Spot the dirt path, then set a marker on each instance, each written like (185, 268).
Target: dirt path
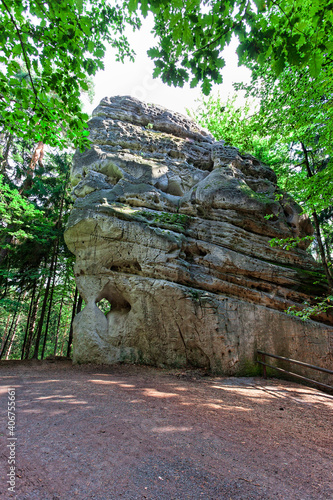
(130, 432)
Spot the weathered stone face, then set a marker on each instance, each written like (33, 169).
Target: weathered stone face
(169, 226)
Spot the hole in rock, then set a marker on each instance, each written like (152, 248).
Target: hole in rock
(126, 267)
(104, 305)
(110, 299)
(176, 154)
(194, 251)
(288, 211)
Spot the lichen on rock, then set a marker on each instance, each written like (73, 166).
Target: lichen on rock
(171, 228)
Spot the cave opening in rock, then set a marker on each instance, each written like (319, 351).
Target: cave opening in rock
(104, 305)
(111, 300)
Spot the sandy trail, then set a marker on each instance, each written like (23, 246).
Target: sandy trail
(131, 432)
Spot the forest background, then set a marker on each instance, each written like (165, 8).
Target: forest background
(49, 53)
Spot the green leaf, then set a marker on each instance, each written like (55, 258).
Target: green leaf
(194, 82)
(132, 5)
(206, 86)
(153, 53)
(315, 63)
(144, 7)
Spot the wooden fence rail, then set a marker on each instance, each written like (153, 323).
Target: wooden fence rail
(262, 362)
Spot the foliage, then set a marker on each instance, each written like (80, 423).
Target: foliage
(288, 243)
(36, 270)
(192, 34)
(291, 129)
(167, 219)
(19, 217)
(48, 51)
(321, 306)
(296, 110)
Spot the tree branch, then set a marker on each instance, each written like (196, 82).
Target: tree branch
(26, 59)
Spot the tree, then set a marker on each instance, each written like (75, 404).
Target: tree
(297, 110)
(192, 34)
(48, 51)
(292, 131)
(37, 273)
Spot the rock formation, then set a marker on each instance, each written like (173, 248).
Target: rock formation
(173, 230)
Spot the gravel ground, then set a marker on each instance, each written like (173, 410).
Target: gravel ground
(132, 432)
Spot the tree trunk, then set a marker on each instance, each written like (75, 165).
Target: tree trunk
(4, 158)
(70, 337)
(37, 157)
(51, 298)
(64, 334)
(322, 251)
(13, 336)
(32, 324)
(57, 225)
(317, 226)
(328, 254)
(5, 333)
(58, 326)
(42, 314)
(28, 319)
(4, 347)
(15, 328)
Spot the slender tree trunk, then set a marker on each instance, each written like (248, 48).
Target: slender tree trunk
(70, 337)
(58, 223)
(58, 326)
(64, 334)
(42, 314)
(13, 336)
(4, 347)
(14, 331)
(317, 226)
(37, 157)
(32, 325)
(328, 253)
(5, 333)
(51, 298)
(322, 250)
(4, 158)
(28, 319)
(63, 341)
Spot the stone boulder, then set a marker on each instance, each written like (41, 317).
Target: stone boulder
(173, 230)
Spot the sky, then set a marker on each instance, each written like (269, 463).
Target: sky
(135, 79)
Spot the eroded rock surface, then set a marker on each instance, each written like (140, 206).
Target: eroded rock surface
(171, 228)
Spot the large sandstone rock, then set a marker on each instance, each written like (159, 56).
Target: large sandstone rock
(169, 227)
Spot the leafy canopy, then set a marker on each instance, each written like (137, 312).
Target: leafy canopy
(193, 33)
(296, 110)
(48, 51)
(18, 216)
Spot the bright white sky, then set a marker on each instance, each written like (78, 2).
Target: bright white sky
(135, 79)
